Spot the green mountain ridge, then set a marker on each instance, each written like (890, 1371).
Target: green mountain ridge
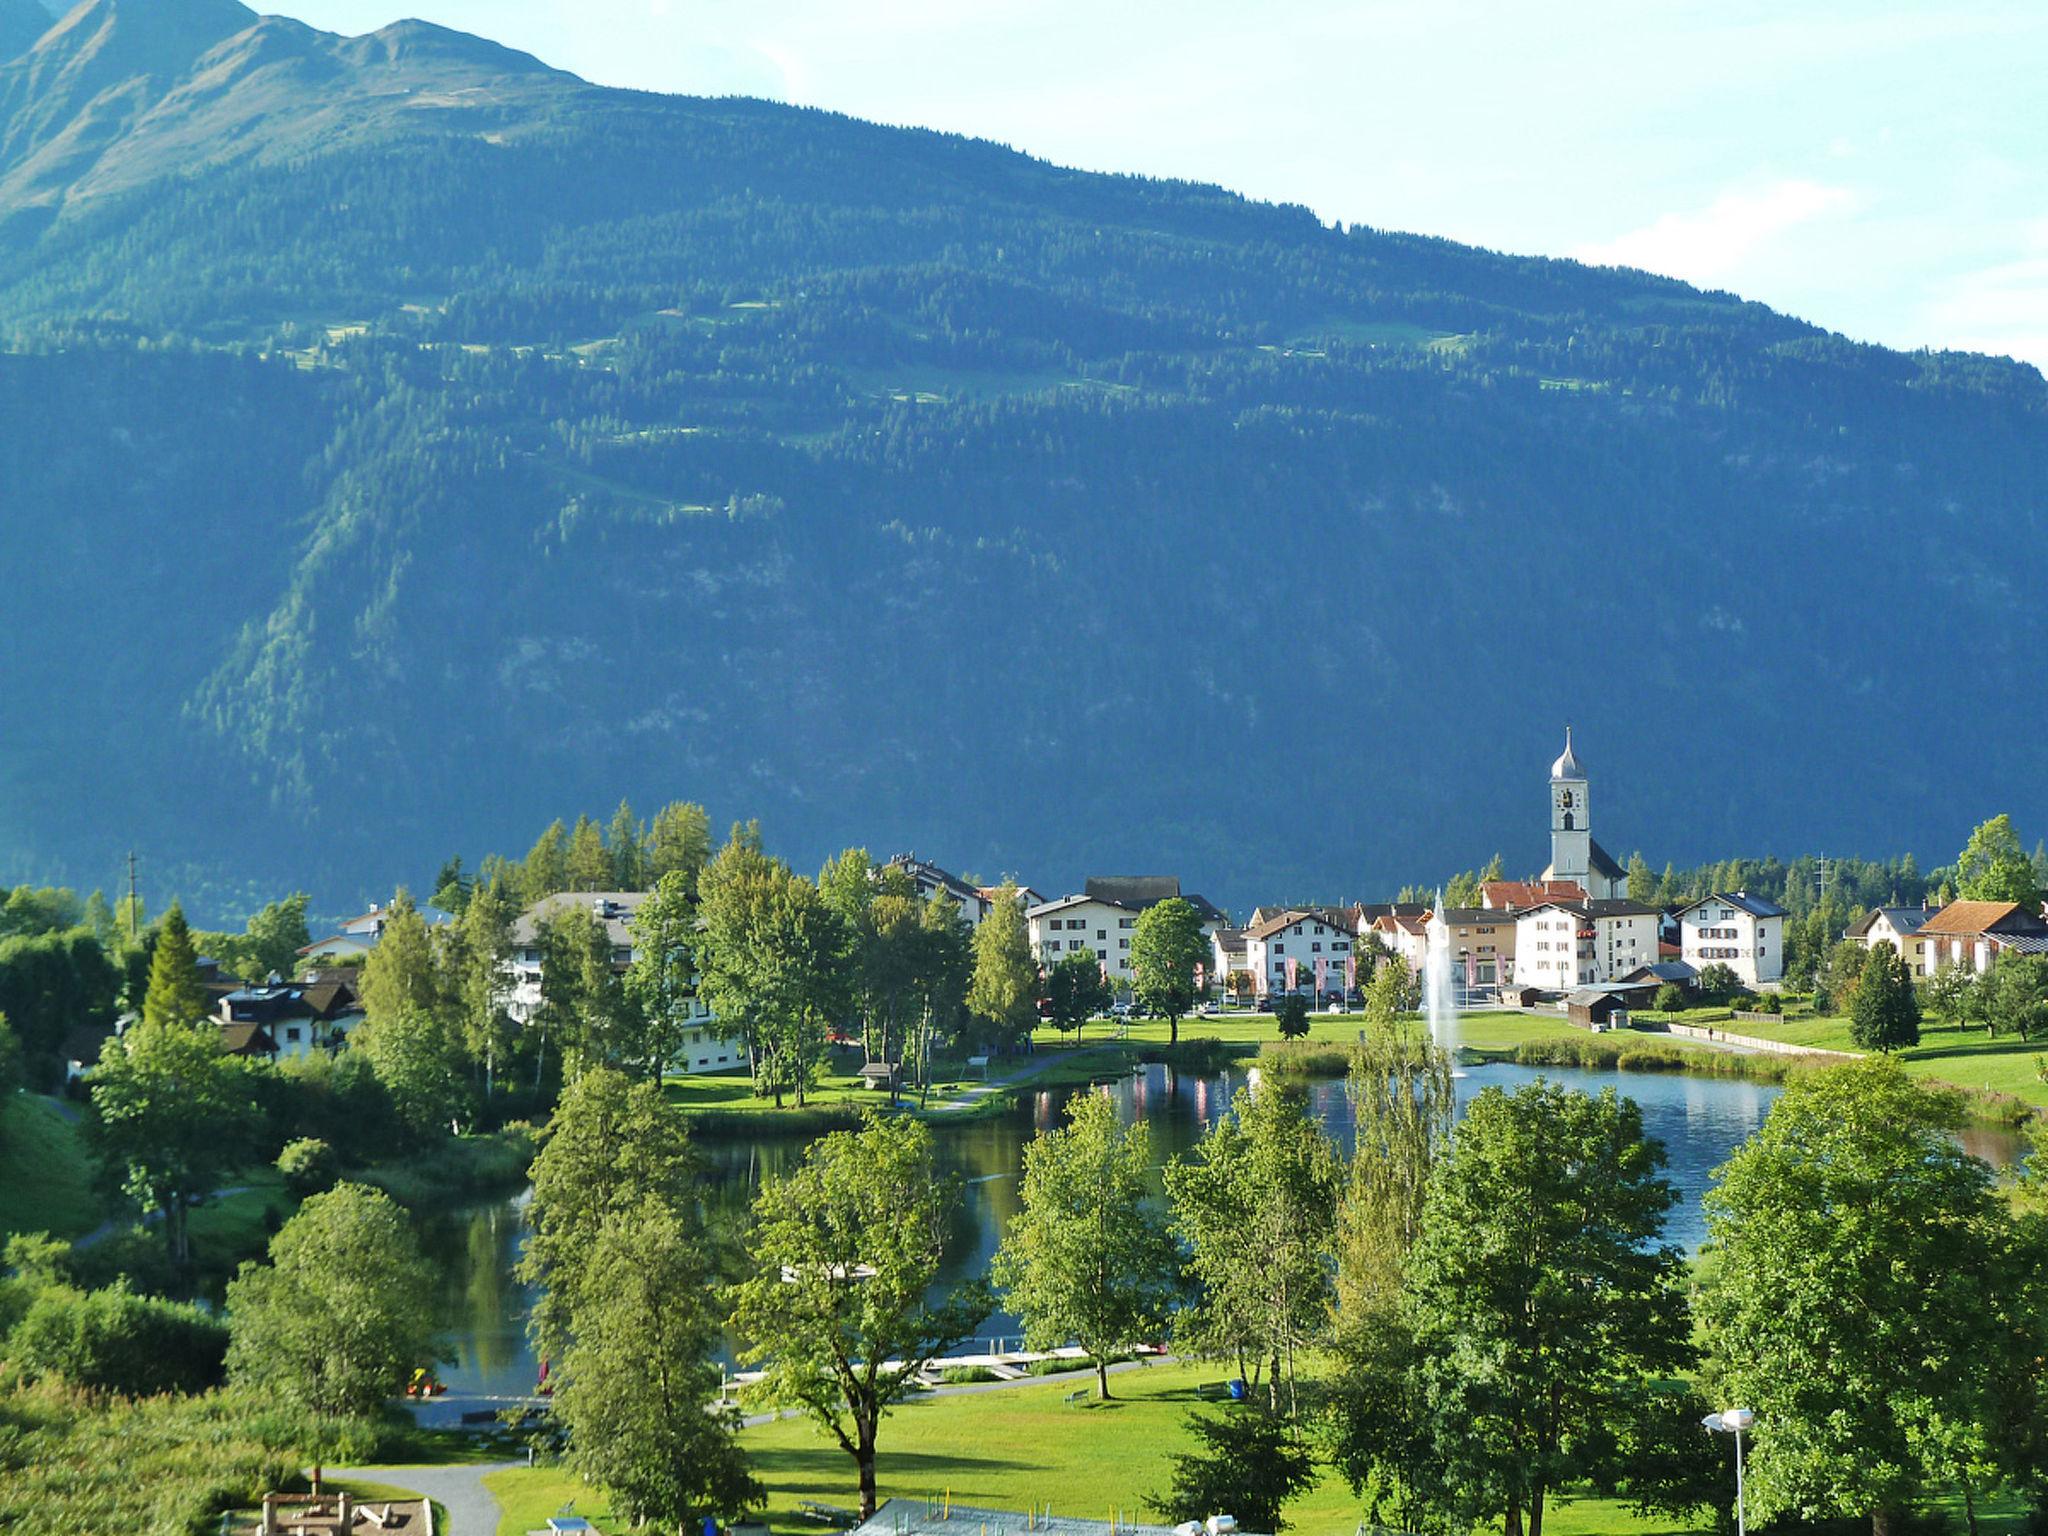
(420, 443)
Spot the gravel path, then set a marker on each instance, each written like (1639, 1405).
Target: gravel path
(472, 1508)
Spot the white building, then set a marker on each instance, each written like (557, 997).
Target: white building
(1743, 932)
(1899, 927)
(1103, 918)
(703, 1051)
(1573, 853)
(1314, 944)
(928, 880)
(1563, 945)
(359, 935)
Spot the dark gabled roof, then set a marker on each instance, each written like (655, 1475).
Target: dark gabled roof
(1664, 970)
(1905, 921)
(1603, 862)
(1477, 917)
(1605, 907)
(951, 883)
(1133, 890)
(1742, 901)
(247, 1040)
(1280, 921)
(1369, 912)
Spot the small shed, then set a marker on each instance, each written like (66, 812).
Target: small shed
(1597, 1007)
(881, 1074)
(1520, 997)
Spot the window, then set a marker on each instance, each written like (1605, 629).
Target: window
(1100, 934)
(1317, 947)
(1127, 922)
(1123, 943)
(1279, 949)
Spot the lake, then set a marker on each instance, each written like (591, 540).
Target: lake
(1700, 1120)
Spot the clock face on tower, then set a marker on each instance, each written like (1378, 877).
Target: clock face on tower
(1564, 799)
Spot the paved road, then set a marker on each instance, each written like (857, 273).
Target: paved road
(472, 1508)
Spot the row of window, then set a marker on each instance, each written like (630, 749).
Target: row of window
(1340, 947)
(1078, 923)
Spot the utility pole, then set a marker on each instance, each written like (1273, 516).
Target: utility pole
(132, 905)
(1827, 876)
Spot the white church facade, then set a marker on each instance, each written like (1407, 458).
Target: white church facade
(1574, 855)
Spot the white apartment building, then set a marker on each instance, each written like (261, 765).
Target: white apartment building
(1563, 945)
(1317, 948)
(1743, 932)
(1103, 918)
(703, 1051)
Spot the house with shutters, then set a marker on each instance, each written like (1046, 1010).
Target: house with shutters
(1301, 951)
(1738, 930)
(1562, 946)
(1104, 916)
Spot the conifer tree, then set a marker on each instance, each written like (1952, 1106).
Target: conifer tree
(175, 995)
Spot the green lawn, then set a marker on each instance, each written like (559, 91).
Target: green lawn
(1008, 1450)
(46, 1172)
(1963, 1058)
(732, 1092)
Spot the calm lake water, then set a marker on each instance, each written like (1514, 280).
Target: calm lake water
(1700, 1120)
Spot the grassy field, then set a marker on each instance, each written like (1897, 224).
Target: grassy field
(1962, 1058)
(1008, 1449)
(46, 1172)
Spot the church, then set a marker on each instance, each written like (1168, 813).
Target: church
(1573, 853)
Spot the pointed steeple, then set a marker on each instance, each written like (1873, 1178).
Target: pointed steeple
(1567, 764)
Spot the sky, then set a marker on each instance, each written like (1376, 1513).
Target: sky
(1877, 168)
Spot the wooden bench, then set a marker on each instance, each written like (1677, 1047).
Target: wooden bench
(1213, 1389)
(826, 1514)
(1074, 1398)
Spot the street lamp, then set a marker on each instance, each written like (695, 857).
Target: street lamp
(1734, 1422)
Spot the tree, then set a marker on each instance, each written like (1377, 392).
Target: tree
(736, 892)
(1403, 1105)
(277, 934)
(1290, 1013)
(679, 842)
(662, 980)
(1167, 948)
(402, 973)
(1544, 1308)
(584, 1005)
(546, 867)
(586, 863)
(115, 1341)
(622, 845)
(1948, 993)
(945, 964)
(474, 959)
(1642, 880)
(308, 1166)
(342, 1314)
(1003, 993)
(171, 1115)
(1075, 990)
(1389, 994)
(420, 1063)
(1885, 1015)
(635, 1381)
(175, 995)
(1087, 1258)
(1249, 1466)
(1875, 1300)
(2014, 995)
(1994, 866)
(845, 1254)
(612, 1146)
(1254, 1204)
(891, 953)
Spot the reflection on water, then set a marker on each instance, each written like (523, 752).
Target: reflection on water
(1700, 1120)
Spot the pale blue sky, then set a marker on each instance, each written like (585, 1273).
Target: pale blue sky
(1879, 167)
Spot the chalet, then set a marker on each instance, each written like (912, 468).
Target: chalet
(1975, 933)
(298, 1017)
(1404, 934)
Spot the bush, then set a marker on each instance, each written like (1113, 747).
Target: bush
(309, 1166)
(113, 1340)
(1765, 1002)
(1670, 998)
(1249, 1465)
(1291, 1014)
(967, 1375)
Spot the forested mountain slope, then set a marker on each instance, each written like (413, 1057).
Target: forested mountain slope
(406, 443)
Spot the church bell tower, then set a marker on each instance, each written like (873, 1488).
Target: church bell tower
(1571, 822)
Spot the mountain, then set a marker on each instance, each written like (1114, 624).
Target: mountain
(409, 443)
